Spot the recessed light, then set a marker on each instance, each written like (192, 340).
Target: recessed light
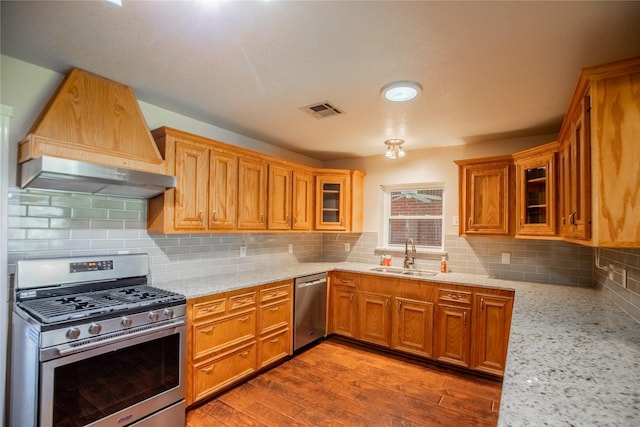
(401, 91)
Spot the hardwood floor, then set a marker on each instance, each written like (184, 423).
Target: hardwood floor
(340, 384)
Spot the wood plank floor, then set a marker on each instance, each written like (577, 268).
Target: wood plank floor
(336, 383)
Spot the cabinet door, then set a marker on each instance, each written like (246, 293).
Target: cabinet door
(452, 341)
(578, 174)
(279, 200)
(413, 326)
(192, 172)
(343, 311)
(492, 323)
(374, 318)
(331, 213)
(252, 193)
(302, 200)
(223, 185)
(536, 195)
(484, 197)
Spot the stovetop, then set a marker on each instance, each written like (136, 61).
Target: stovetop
(64, 305)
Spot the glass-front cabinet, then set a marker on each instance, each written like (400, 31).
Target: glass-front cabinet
(536, 191)
(331, 198)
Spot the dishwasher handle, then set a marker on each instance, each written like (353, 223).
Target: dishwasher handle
(312, 283)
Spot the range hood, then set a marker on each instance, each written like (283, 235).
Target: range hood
(53, 173)
(92, 138)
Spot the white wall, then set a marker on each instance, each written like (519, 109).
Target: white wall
(429, 165)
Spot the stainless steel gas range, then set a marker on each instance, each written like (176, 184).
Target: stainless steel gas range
(93, 344)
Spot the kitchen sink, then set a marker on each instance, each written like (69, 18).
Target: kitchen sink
(404, 271)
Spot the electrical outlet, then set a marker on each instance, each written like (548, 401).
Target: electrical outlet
(506, 258)
(290, 248)
(610, 269)
(347, 247)
(243, 251)
(454, 220)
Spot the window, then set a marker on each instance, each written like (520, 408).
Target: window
(414, 211)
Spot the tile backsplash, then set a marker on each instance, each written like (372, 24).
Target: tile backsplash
(53, 224)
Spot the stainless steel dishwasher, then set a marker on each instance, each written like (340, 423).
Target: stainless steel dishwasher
(310, 309)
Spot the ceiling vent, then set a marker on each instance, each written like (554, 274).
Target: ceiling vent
(321, 110)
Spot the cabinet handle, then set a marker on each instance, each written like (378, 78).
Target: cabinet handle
(399, 305)
(210, 309)
(295, 219)
(469, 222)
(243, 319)
(481, 304)
(275, 340)
(261, 217)
(287, 218)
(273, 294)
(207, 330)
(274, 309)
(241, 301)
(464, 318)
(350, 297)
(208, 369)
(521, 222)
(244, 353)
(572, 218)
(341, 222)
(214, 215)
(199, 215)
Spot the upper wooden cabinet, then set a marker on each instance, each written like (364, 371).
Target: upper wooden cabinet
(339, 200)
(536, 191)
(484, 189)
(205, 196)
(252, 194)
(600, 173)
(290, 198)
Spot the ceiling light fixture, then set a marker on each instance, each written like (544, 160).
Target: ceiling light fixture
(401, 91)
(394, 148)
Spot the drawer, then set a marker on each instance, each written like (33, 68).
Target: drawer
(450, 295)
(274, 293)
(275, 315)
(345, 279)
(237, 302)
(209, 308)
(275, 347)
(213, 336)
(217, 373)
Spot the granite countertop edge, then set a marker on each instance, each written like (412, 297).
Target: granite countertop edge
(573, 356)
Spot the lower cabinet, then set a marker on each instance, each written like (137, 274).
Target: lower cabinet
(413, 326)
(233, 334)
(458, 325)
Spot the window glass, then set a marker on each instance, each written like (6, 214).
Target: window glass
(414, 212)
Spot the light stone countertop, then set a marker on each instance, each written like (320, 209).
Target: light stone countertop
(573, 358)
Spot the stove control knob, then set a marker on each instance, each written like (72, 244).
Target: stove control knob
(73, 333)
(154, 316)
(95, 328)
(168, 313)
(126, 322)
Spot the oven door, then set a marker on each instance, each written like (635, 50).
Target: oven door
(119, 383)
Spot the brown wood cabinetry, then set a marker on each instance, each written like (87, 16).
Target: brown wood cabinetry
(453, 326)
(491, 326)
(536, 191)
(484, 191)
(343, 304)
(459, 325)
(290, 198)
(339, 200)
(374, 318)
(204, 199)
(252, 194)
(303, 198)
(232, 334)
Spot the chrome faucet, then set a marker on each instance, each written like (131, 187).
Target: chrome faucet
(407, 263)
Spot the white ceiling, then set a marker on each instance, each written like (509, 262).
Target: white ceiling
(490, 70)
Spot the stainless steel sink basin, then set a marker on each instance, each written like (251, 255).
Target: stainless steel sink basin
(404, 271)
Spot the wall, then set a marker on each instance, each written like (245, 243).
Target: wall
(54, 224)
(628, 299)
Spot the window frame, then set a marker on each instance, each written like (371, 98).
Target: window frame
(386, 210)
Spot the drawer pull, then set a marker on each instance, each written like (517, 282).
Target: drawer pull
(244, 353)
(464, 318)
(275, 340)
(212, 308)
(208, 369)
(273, 294)
(207, 330)
(274, 308)
(243, 319)
(241, 301)
(481, 304)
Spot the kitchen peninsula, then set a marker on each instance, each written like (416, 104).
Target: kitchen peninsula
(573, 357)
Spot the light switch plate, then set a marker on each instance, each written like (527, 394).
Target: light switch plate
(506, 258)
(454, 220)
(243, 251)
(290, 248)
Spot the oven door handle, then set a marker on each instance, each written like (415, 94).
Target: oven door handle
(117, 336)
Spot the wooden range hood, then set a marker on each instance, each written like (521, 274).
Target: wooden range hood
(94, 122)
